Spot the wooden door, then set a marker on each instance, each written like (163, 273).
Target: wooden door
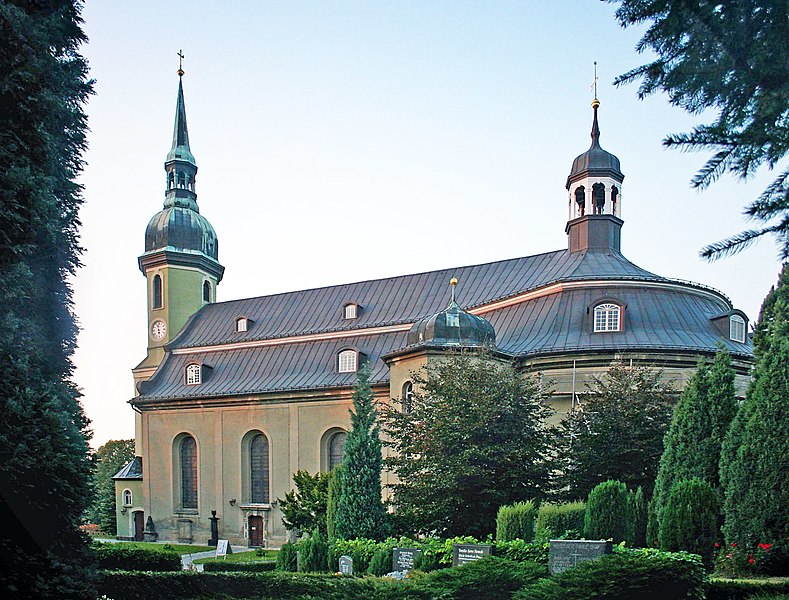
(256, 532)
(139, 525)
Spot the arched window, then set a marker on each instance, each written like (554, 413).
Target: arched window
(607, 317)
(346, 361)
(170, 180)
(598, 198)
(614, 198)
(337, 449)
(193, 374)
(349, 311)
(188, 464)
(242, 324)
(408, 397)
(259, 469)
(156, 291)
(737, 328)
(580, 201)
(206, 291)
(127, 498)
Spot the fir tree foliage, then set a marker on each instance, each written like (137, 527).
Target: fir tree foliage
(333, 497)
(304, 508)
(691, 520)
(360, 512)
(617, 433)
(700, 421)
(733, 58)
(473, 440)
(755, 453)
(45, 468)
(110, 459)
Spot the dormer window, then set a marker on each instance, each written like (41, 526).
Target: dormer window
(193, 374)
(607, 317)
(242, 324)
(350, 311)
(347, 361)
(737, 329)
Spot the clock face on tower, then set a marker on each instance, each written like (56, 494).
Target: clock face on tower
(158, 330)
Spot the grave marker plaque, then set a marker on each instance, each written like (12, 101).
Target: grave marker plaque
(403, 558)
(565, 554)
(466, 553)
(346, 565)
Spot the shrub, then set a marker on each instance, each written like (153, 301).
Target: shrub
(642, 574)
(287, 559)
(558, 519)
(521, 551)
(691, 519)
(721, 589)
(608, 512)
(516, 521)
(638, 518)
(381, 563)
(248, 566)
(135, 558)
(489, 577)
(313, 554)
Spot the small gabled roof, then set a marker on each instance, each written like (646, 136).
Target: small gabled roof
(131, 470)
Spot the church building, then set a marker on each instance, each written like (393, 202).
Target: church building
(234, 397)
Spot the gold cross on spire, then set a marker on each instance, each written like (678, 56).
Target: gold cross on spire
(181, 63)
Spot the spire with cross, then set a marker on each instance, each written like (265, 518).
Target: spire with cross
(181, 63)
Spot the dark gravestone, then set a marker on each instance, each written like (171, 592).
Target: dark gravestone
(214, 529)
(403, 558)
(346, 565)
(466, 553)
(565, 554)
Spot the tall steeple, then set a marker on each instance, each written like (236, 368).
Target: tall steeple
(180, 164)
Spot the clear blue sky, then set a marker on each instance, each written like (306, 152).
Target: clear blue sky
(341, 141)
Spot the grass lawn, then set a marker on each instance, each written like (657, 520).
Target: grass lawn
(179, 548)
(250, 556)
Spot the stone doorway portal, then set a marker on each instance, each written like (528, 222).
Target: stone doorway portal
(256, 532)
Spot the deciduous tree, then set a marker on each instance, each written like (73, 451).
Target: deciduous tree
(732, 58)
(110, 459)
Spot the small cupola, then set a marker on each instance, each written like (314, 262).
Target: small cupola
(594, 202)
(453, 326)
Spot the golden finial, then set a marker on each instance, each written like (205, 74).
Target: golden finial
(180, 63)
(453, 282)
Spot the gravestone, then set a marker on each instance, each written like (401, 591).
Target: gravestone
(346, 565)
(403, 558)
(466, 553)
(565, 554)
(214, 528)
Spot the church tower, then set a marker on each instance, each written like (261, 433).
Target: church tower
(180, 262)
(595, 198)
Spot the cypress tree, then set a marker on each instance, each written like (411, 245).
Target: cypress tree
(755, 452)
(638, 512)
(332, 499)
(360, 512)
(608, 513)
(691, 519)
(45, 469)
(693, 443)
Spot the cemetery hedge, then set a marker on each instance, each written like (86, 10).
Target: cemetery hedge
(557, 519)
(721, 589)
(489, 577)
(131, 558)
(236, 566)
(516, 521)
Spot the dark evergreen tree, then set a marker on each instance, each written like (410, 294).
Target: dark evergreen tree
(473, 440)
(617, 433)
(701, 419)
(304, 508)
(691, 519)
(732, 58)
(110, 459)
(755, 454)
(360, 512)
(45, 467)
(638, 513)
(608, 513)
(332, 498)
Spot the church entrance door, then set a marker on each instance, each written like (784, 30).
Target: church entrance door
(139, 525)
(256, 536)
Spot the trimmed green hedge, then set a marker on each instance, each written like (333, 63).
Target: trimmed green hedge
(130, 558)
(721, 589)
(625, 575)
(516, 522)
(271, 586)
(556, 519)
(237, 566)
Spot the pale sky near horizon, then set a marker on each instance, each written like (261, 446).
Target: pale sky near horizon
(342, 141)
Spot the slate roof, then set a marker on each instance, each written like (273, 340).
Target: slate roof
(131, 470)
(655, 318)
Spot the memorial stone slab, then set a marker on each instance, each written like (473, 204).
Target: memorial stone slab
(466, 553)
(403, 558)
(565, 554)
(346, 565)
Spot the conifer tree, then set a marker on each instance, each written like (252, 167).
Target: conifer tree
(691, 519)
(755, 453)
(360, 512)
(608, 513)
(700, 421)
(45, 469)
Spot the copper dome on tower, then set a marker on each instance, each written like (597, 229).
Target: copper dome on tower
(595, 161)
